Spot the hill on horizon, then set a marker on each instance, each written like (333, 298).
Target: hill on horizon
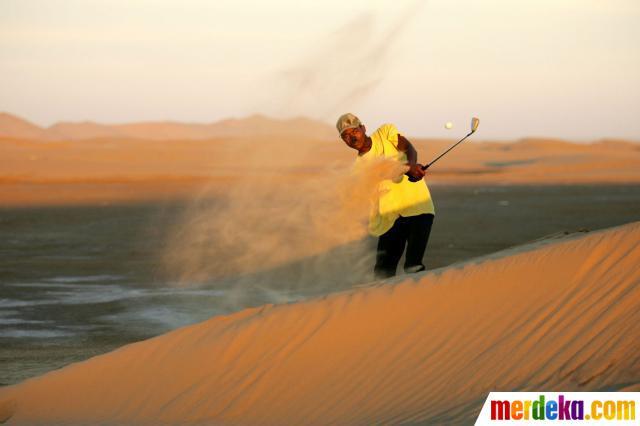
(12, 126)
(15, 127)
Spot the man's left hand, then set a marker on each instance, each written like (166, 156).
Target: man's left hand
(415, 172)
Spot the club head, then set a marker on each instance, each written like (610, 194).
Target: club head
(475, 122)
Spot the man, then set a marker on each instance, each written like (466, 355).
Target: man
(405, 211)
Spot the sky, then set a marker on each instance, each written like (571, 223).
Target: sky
(553, 68)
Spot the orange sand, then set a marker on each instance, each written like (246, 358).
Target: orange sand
(76, 163)
(562, 314)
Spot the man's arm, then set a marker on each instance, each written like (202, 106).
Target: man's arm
(415, 169)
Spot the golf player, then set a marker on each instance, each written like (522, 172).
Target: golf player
(404, 212)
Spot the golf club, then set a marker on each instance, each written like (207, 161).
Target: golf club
(475, 121)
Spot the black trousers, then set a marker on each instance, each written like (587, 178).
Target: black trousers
(412, 231)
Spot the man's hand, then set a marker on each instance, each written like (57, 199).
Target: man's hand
(415, 172)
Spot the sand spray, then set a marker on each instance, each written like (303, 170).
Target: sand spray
(286, 236)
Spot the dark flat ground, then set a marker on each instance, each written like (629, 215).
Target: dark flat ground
(471, 221)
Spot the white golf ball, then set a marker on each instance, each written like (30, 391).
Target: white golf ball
(448, 125)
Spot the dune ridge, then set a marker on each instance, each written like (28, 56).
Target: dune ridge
(12, 126)
(561, 314)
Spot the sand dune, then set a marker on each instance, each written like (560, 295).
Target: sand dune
(84, 171)
(535, 161)
(562, 314)
(79, 162)
(15, 127)
(12, 126)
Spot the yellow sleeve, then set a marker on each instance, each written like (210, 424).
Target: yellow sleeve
(390, 133)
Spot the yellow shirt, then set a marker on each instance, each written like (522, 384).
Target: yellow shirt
(396, 197)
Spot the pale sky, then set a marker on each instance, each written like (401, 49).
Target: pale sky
(557, 68)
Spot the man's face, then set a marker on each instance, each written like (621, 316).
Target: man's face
(354, 138)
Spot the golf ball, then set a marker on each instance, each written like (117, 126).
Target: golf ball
(448, 125)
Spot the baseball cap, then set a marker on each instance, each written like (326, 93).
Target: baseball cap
(347, 121)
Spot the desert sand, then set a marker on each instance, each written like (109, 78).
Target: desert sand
(89, 163)
(560, 314)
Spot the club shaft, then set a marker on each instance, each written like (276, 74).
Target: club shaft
(450, 148)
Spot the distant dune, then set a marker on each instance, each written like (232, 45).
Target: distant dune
(535, 161)
(88, 163)
(14, 127)
(561, 314)
(18, 128)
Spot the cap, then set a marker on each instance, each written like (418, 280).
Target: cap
(347, 121)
